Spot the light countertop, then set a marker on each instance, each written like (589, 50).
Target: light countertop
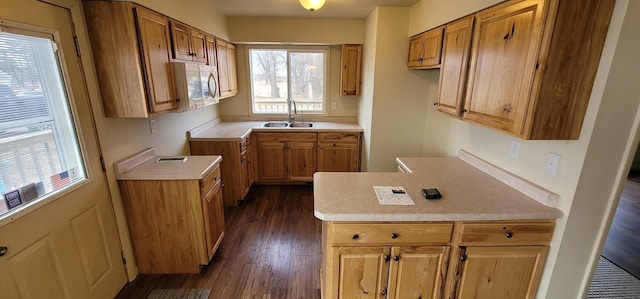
(237, 130)
(468, 194)
(145, 166)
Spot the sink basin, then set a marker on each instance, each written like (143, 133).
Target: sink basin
(301, 125)
(276, 125)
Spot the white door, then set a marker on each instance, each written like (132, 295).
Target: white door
(65, 246)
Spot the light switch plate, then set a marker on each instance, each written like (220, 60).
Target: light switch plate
(152, 126)
(515, 150)
(551, 167)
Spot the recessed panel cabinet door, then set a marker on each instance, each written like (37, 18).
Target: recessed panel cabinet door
(501, 272)
(302, 160)
(340, 157)
(362, 272)
(272, 161)
(155, 45)
(419, 271)
(455, 61)
(503, 64)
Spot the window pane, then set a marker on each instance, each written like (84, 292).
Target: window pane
(269, 80)
(307, 80)
(38, 145)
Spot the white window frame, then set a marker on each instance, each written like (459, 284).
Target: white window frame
(290, 48)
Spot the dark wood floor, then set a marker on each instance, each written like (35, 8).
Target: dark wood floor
(623, 242)
(271, 250)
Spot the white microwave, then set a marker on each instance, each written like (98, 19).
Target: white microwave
(196, 85)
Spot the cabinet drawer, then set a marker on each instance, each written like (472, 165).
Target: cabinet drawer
(310, 137)
(390, 233)
(338, 137)
(534, 233)
(210, 180)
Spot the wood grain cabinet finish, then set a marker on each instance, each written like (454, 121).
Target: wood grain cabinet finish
(287, 156)
(238, 167)
(227, 72)
(132, 54)
(455, 62)
(350, 76)
(533, 64)
(188, 43)
(425, 49)
(175, 225)
(339, 151)
(374, 268)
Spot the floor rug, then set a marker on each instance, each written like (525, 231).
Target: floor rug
(610, 281)
(179, 294)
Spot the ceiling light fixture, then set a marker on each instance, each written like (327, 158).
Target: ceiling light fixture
(312, 5)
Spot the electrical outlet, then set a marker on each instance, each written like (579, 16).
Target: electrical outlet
(152, 126)
(515, 150)
(551, 167)
(333, 106)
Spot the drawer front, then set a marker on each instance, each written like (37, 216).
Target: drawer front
(311, 137)
(210, 180)
(507, 233)
(390, 233)
(339, 137)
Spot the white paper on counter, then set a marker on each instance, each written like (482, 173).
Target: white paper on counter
(387, 197)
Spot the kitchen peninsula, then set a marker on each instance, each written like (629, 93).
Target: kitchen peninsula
(483, 239)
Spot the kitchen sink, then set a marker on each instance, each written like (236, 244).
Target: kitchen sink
(276, 125)
(285, 125)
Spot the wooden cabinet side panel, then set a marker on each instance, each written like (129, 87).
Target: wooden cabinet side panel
(166, 222)
(454, 68)
(114, 43)
(230, 167)
(501, 272)
(350, 74)
(504, 55)
(569, 71)
(153, 32)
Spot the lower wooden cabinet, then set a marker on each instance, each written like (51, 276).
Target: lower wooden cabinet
(175, 225)
(489, 259)
(339, 152)
(287, 156)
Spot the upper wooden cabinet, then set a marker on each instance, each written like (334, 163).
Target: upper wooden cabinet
(533, 64)
(212, 59)
(132, 54)
(425, 49)
(227, 73)
(351, 64)
(455, 61)
(188, 43)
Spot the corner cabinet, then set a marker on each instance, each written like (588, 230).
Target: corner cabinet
(531, 68)
(227, 73)
(350, 76)
(175, 225)
(425, 49)
(132, 54)
(238, 167)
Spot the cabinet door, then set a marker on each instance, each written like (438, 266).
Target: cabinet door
(211, 50)
(180, 41)
(302, 160)
(213, 220)
(336, 157)
(455, 61)
(198, 45)
(272, 161)
(418, 272)
(432, 48)
(362, 272)
(153, 32)
(223, 77)
(501, 272)
(232, 74)
(351, 65)
(503, 63)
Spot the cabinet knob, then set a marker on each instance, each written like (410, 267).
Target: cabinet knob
(463, 258)
(356, 237)
(435, 103)
(3, 250)
(396, 258)
(394, 235)
(387, 257)
(509, 235)
(464, 110)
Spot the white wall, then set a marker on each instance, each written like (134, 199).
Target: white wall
(588, 168)
(296, 30)
(365, 109)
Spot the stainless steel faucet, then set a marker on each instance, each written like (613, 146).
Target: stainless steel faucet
(292, 116)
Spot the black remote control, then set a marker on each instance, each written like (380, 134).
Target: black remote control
(431, 193)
